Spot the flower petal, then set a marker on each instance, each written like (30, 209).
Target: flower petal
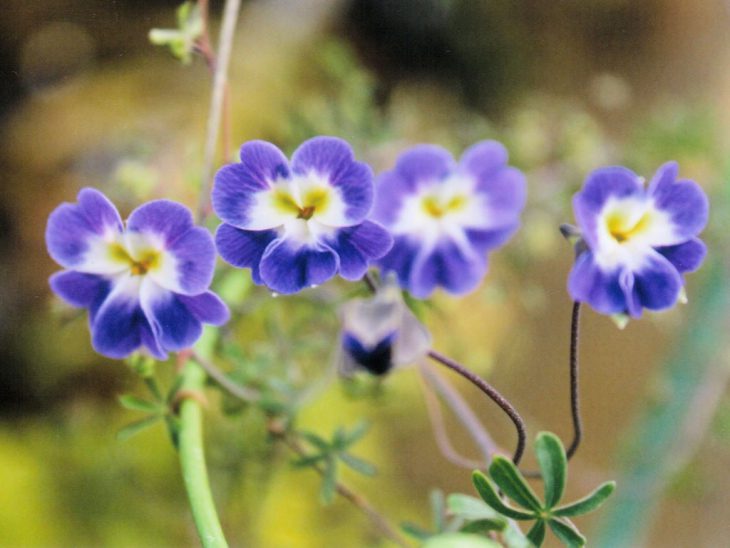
(485, 240)
(587, 283)
(287, 267)
(483, 160)
(601, 185)
(116, 330)
(188, 264)
(656, 285)
(390, 191)
(506, 194)
(243, 248)
(81, 290)
(165, 220)
(684, 201)
(424, 163)
(400, 258)
(447, 265)
(332, 159)
(241, 192)
(207, 308)
(78, 235)
(377, 359)
(150, 341)
(173, 324)
(686, 257)
(357, 246)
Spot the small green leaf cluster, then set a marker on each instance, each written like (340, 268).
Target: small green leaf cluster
(159, 408)
(181, 41)
(461, 520)
(276, 395)
(548, 514)
(329, 453)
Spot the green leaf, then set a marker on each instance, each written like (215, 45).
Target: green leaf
(553, 465)
(309, 460)
(514, 538)
(489, 495)
(415, 531)
(315, 440)
(136, 427)
(163, 37)
(339, 439)
(172, 423)
(329, 483)
(508, 478)
(459, 540)
(567, 533)
(438, 513)
(357, 464)
(484, 526)
(183, 13)
(174, 388)
(181, 41)
(536, 535)
(134, 403)
(589, 503)
(357, 432)
(467, 507)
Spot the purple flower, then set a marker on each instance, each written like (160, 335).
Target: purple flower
(639, 241)
(380, 333)
(445, 216)
(145, 284)
(298, 225)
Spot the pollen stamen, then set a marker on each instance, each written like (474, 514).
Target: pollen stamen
(306, 212)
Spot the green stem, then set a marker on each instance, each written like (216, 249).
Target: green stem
(192, 460)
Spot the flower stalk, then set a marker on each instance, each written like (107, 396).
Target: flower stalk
(218, 98)
(574, 396)
(492, 393)
(192, 460)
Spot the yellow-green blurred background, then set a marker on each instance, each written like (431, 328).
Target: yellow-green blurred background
(567, 86)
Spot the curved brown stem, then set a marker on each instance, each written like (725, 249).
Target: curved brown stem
(574, 396)
(493, 394)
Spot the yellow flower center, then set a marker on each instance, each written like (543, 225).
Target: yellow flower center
(437, 207)
(148, 259)
(314, 200)
(622, 228)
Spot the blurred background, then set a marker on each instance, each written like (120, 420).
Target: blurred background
(567, 86)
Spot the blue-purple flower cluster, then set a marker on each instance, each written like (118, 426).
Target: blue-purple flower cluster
(430, 221)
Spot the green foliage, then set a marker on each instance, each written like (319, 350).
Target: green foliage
(159, 408)
(459, 540)
(460, 520)
(329, 453)
(346, 103)
(181, 41)
(553, 467)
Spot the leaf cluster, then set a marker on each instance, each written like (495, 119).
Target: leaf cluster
(548, 514)
(330, 453)
(181, 41)
(159, 408)
(461, 520)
